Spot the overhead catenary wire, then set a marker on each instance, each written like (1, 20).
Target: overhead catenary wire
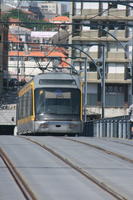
(73, 23)
(66, 25)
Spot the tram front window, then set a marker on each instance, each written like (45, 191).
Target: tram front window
(57, 101)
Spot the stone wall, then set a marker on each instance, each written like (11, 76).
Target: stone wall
(7, 116)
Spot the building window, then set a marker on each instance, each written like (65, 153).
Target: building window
(45, 7)
(116, 95)
(114, 89)
(76, 28)
(93, 25)
(92, 67)
(102, 31)
(112, 5)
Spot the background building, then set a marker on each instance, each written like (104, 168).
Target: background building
(0, 55)
(106, 21)
(62, 8)
(52, 8)
(3, 53)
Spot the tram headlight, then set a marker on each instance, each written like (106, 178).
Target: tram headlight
(44, 125)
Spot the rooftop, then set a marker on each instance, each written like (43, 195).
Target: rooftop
(13, 38)
(60, 19)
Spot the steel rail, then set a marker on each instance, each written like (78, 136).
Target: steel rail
(102, 149)
(118, 141)
(25, 189)
(80, 170)
(123, 143)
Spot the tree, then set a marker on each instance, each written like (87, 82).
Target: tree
(28, 22)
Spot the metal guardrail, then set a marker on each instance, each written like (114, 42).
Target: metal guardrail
(118, 127)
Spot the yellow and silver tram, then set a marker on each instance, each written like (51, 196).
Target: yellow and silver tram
(50, 103)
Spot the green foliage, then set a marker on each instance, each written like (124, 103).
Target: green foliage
(4, 18)
(66, 14)
(30, 23)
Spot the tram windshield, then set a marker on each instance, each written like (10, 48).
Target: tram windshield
(57, 101)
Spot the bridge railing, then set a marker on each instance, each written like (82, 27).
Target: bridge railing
(118, 127)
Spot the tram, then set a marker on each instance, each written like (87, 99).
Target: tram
(50, 103)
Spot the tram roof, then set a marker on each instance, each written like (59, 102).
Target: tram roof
(57, 75)
(57, 79)
(53, 80)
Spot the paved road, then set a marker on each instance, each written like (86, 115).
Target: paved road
(111, 170)
(8, 188)
(49, 177)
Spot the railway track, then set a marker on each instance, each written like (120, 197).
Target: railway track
(83, 172)
(118, 141)
(124, 143)
(102, 149)
(24, 187)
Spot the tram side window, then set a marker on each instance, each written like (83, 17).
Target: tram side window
(18, 108)
(22, 106)
(25, 105)
(30, 103)
(75, 98)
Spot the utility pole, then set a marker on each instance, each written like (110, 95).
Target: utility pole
(132, 71)
(103, 81)
(18, 58)
(85, 90)
(1, 75)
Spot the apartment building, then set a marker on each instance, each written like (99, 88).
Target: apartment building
(48, 9)
(55, 8)
(62, 8)
(104, 24)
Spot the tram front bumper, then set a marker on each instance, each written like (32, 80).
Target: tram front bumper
(58, 127)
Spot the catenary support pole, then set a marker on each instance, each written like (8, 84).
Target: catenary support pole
(103, 82)
(85, 91)
(132, 71)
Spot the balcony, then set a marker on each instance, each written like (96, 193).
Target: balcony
(91, 77)
(92, 35)
(112, 14)
(89, 34)
(90, 12)
(111, 78)
(119, 34)
(93, 55)
(117, 78)
(117, 12)
(117, 57)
